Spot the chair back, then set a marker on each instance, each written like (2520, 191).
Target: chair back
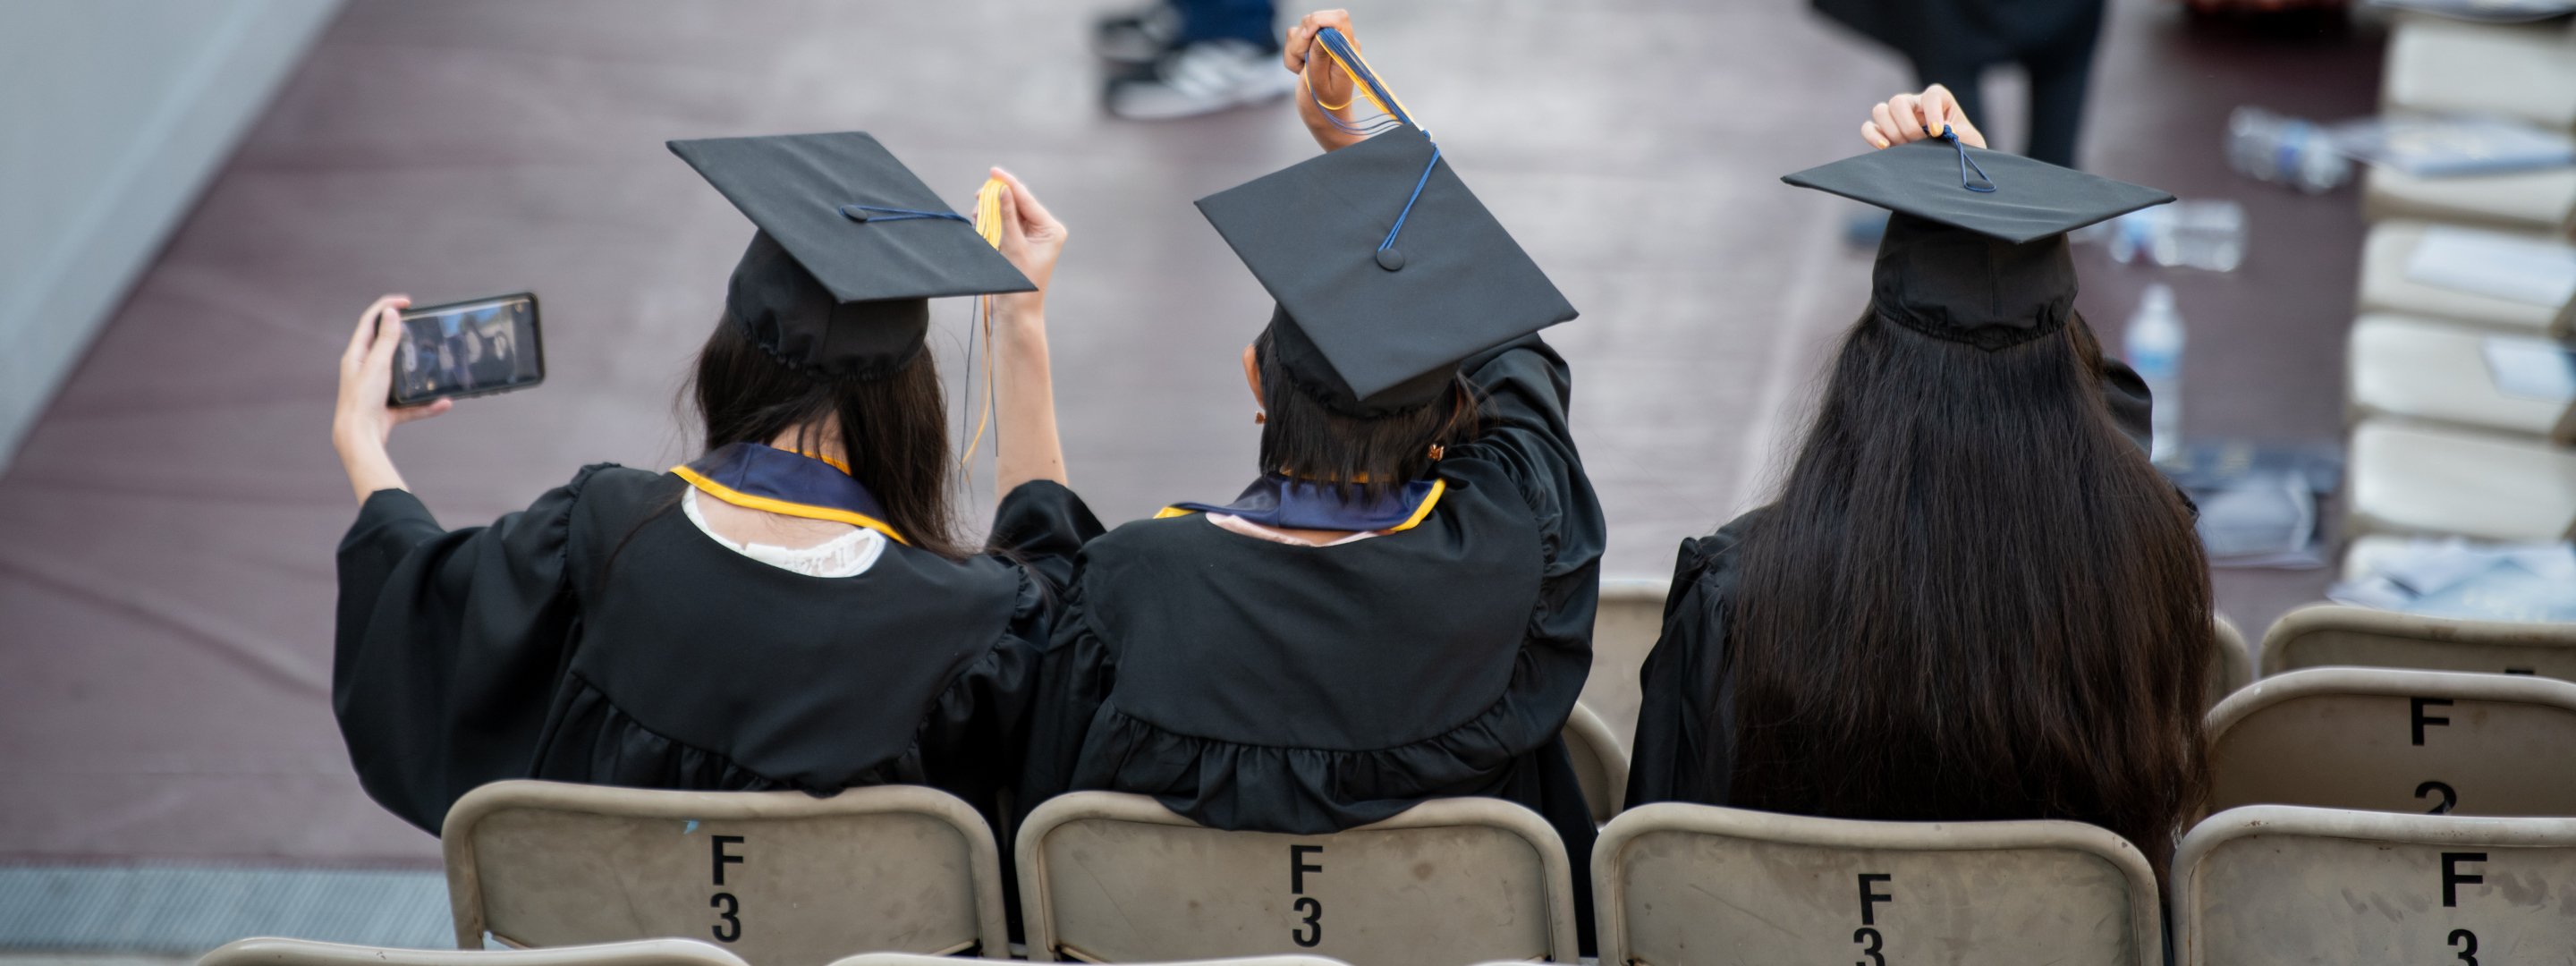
(2232, 667)
(2335, 635)
(2397, 741)
(1108, 877)
(777, 878)
(1600, 765)
(267, 951)
(2281, 884)
(1675, 884)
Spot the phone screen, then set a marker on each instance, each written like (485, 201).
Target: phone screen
(468, 349)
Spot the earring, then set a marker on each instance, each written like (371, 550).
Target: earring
(1259, 417)
(1437, 451)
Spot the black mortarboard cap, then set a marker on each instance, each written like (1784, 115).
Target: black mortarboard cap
(1387, 270)
(1976, 248)
(850, 246)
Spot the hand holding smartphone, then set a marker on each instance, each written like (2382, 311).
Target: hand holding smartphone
(471, 348)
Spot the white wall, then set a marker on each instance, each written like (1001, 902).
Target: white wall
(113, 114)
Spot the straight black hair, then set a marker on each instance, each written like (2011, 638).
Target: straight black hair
(1974, 599)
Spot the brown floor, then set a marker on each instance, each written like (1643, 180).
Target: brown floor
(166, 535)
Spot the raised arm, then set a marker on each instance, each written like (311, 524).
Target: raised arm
(365, 416)
(1024, 381)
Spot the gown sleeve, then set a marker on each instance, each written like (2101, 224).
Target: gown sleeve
(450, 646)
(971, 743)
(1528, 392)
(1684, 750)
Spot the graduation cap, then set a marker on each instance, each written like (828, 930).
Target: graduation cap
(1387, 270)
(850, 248)
(1976, 248)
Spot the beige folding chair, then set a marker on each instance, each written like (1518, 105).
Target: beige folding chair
(2385, 287)
(2539, 201)
(1107, 877)
(917, 959)
(2277, 884)
(1674, 883)
(2336, 635)
(1599, 763)
(1624, 629)
(265, 951)
(776, 877)
(2406, 479)
(2232, 667)
(2451, 67)
(2415, 369)
(2397, 741)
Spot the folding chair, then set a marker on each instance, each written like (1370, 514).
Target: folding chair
(2277, 884)
(776, 877)
(917, 959)
(1674, 883)
(1599, 763)
(2335, 635)
(2406, 479)
(2385, 287)
(1624, 629)
(1108, 877)
(2540, 201)
(2449, 67)
(2421, 370)
(265, 951)
(2232, 667)
(2397, 741)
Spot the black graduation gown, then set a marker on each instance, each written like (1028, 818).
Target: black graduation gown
(1684, 748)
(1256, 685)
(599, 637)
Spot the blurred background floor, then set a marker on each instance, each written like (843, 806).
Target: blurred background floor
(166, 534)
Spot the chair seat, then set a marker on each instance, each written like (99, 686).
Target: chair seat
(2413, 479)
(2529, 200)
(2413, 368)
(2468, 68)
(2385, 288)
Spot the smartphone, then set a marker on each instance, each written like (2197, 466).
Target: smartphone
(473, 348)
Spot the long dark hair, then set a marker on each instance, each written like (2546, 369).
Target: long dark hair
(1974, 599)
(1372, 457)
(893, 430)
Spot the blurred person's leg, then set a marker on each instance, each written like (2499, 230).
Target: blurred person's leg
(1137, 36)
(2060, 73)
(1225, 55)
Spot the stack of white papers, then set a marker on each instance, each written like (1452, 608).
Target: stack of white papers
(2434, 147)
(2516, 268)
(2532, 368)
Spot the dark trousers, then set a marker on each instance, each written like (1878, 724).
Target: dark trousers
(2059, 74)
(1253, 21)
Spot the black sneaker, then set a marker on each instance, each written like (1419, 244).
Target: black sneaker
(1138, 36)
(1201, 78)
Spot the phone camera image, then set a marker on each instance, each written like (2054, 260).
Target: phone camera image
(468, 349)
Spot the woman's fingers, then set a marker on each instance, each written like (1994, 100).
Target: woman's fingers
(405, 414)
(362, 338)
(1909, 111)
(1869, 133)
(1033, 213)
(1884, 120)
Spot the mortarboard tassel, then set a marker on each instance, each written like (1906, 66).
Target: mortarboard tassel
(1365, 82)
(988, 223)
